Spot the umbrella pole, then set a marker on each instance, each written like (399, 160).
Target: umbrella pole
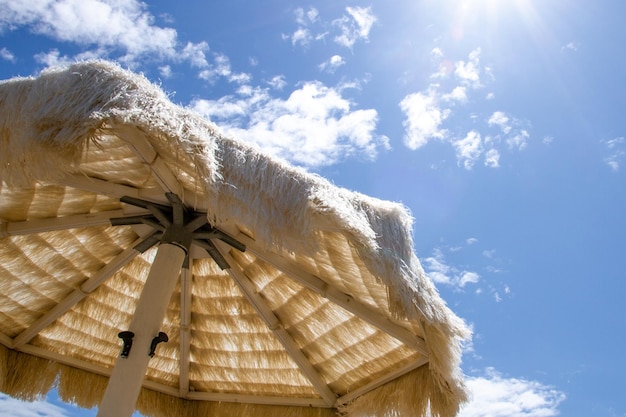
(125, 383)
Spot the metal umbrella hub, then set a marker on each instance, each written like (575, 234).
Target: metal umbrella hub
(177, 225)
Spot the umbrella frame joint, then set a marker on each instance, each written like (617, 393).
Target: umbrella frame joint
(177, 225)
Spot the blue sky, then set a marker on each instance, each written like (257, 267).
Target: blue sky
(498, 123)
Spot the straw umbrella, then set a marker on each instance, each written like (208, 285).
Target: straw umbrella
(149, 262)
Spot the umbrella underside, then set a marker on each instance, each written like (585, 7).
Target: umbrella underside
(258, 328)
(312, 319)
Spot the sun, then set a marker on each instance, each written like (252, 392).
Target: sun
(488, 15)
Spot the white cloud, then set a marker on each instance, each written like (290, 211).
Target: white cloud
(468, 277)
(500, 119)
(468, 149)
(301, 36)
(332, 63)
(571, 46)
(468, 72)
(221, 68)
(124, 30)
(165, 71)
(437, 52)
(427, 111)
(356, 26)
(315, 126)
(312, 14)
(496, 396)
(123, 24)
(7, 55)
(353, 26)
(277, 82)
(54, 58)
(10, 407)
(471, 240)
(614, 143)
(458, 94)
(492, 158)
(519, 140)
(423, 119)
(442, 273)
(195, 53)
(304, 18)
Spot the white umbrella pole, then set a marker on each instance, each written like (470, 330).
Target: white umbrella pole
(127, 377)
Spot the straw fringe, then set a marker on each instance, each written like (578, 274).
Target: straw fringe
(413, 394)
(75, 386)
(25, 376)
(29, 378)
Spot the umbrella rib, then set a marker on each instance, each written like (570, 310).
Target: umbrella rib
(78, 294)
(274, 324)
(381, 381)
(140, 145)
(110, 189)
(61, 223)
(343, 300)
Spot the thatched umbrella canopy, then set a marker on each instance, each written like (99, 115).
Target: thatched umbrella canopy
(127, 221)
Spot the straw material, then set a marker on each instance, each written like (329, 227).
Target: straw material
(335, 268)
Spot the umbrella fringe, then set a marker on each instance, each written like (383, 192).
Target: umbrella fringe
(420, 392)
(85, 389)
(416, 393)
(25, 376)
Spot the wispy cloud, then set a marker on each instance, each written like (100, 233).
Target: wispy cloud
(165, 71)
(617, 150)
(332, 63)
(220, 68)
(442, 273)
(7, 55)
(10, 407)
(355, 26)
(515, 137)
(493, 395)
(315, 126)
(467, 268)
(277, 82)
(303, 35)
(570, 46)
